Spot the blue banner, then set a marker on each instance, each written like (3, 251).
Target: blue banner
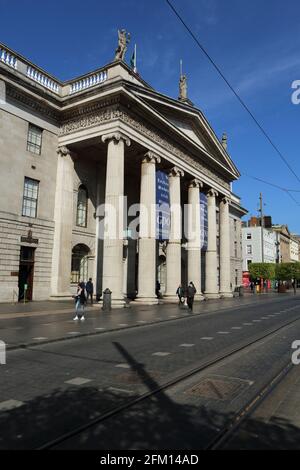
(203, 221)
(163, 209)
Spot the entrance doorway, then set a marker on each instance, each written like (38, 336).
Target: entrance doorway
(26, 271)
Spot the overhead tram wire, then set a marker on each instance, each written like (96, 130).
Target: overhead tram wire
(233, 91)
(285, 190)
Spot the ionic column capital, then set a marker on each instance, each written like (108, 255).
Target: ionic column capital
(63, 151)
(226, 200)
(212, 193)
(116, 136)
(176, 172)
(151, 157)
(195, 183)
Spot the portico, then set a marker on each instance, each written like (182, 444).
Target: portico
(114, 133)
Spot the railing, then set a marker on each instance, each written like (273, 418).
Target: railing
(42, 79)
(88, 82)
(8, 58)
(33, 73)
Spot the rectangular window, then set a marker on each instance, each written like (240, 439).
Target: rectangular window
(34, 139)
(249, 249)
(249, 236)
(30, 197)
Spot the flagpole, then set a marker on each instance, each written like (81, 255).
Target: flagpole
(135, 69)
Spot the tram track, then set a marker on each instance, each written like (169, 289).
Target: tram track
(225, 433)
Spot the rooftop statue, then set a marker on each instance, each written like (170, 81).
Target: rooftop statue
(124, 39)
(183, 88)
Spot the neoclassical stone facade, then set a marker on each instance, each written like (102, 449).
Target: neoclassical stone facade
(77, 154)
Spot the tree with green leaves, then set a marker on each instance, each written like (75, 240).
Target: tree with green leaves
(264, 271)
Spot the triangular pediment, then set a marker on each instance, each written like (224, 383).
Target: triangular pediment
(192, 124)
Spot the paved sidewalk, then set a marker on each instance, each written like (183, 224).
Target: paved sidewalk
(44, 322)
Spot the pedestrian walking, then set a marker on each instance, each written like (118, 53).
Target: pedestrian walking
(180, 294)
(80, 300)
(89, 287)
(191, 291)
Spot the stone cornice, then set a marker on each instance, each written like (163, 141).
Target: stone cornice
(32, 103)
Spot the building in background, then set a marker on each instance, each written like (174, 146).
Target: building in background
(252, 246)
(284, 239)
(294, 248)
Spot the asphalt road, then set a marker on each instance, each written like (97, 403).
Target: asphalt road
(47, 390)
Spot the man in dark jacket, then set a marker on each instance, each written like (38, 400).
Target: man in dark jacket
(89, 287)
(191, 291)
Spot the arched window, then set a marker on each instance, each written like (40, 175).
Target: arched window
(82, 202)
(79, 268)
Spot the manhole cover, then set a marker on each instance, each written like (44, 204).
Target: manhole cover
(217, 389)
(133, 377)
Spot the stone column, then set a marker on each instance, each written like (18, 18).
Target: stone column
(147, 235)
(211, 275)
(112, 277)
(174, 245)
(63, 219)
(225, 288)
(194, 237)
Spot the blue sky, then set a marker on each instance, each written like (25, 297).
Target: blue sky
(256, 44)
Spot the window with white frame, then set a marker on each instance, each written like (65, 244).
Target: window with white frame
(249, 249)
(30, 197)
(249, 236)
(34, 139)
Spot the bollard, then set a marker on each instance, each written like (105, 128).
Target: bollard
(106, 306)
(2, 352)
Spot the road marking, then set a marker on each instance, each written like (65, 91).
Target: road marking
(10, 404)
(223, 333)
(236, 328)
(124, 365)
(207, 338)
(78, 381)
(248, 324)
(264, 318)
(114, 389)
(186, 345)
(73, 333)
(40, 338)
(172, 316)
(162, 354)
(123, 324)
(99, 328)
(256, 321)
